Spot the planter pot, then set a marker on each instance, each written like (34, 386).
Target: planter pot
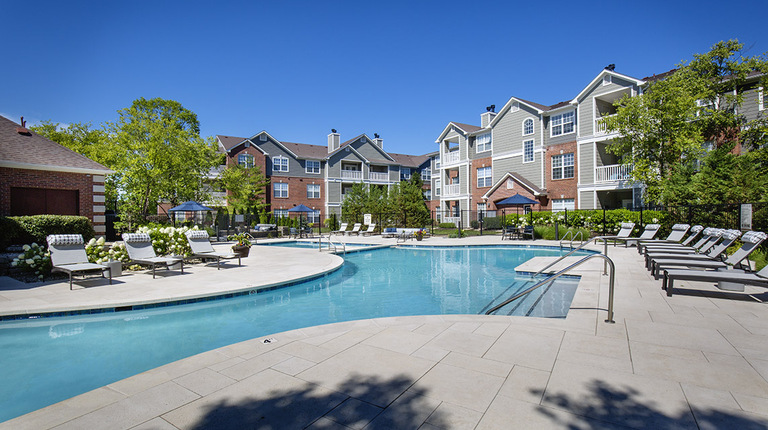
(241, 250)
(419, 238)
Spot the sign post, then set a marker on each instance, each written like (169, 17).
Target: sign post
(746, 216)
(367, 219)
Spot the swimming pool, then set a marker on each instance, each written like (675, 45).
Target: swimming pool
(47, 360)
(301, 244)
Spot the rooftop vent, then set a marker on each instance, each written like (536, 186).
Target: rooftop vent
(23, 130)
(610, 67)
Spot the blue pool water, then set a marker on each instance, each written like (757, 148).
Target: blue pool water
(298, 244)
(47, 360)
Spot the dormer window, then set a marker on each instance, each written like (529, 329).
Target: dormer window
(527, 127)
(263, 137)
(563, 123)
(607, 80)
(279, 164)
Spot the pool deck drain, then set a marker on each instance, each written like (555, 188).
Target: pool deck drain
(695, 360)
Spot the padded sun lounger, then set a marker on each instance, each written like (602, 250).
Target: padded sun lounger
(342, 229)
(647, 234)
(709, 240)
(68, 256)
(202, 248)
(139, 247)
(675, 236)
(624, 232)
(355, 229)
(751, 239)
(759, 279)
(368, 232)
(694, 232)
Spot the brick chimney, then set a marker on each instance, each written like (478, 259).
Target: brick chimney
(334, 140)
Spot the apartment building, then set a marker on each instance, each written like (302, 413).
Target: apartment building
(319, 176)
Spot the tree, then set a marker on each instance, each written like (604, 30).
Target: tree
(666, 126)
(407, 200)
(355, 202)
(246, 187)
(164, 157)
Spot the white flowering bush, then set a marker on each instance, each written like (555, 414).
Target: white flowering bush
(119, 253)
(168, 240)
(35, 259)
(97, 251)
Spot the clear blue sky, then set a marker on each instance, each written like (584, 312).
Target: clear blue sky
(402, 69)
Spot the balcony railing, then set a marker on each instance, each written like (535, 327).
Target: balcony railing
(379, 176)
(352, 174)
(451, 190)
(611, 173)
(600, 127)
(451, 157)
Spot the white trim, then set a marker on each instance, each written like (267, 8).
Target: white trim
(507, 106)
(287, 164)
(274, 188)
(760, 99)
(533, 126)
(599, 76)
(319, 167)
(562, 124)
(490, 143)
(533, 151)
(47, 168)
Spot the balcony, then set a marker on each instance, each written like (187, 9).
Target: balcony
(354, 175)
(612, 173)
(379, 176)
(451, 158)
(600, 127)
(451, 190)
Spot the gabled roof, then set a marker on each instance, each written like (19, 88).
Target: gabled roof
(229, 142)
(465, 128)
(355, 139)
(409, 160)
(29, 150)
(305, 150)
(536, 191)
(600, 77)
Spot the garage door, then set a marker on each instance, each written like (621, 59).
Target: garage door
(41, 201)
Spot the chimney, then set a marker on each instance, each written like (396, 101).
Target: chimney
(23, 129)
(334, 140)
(487, 116)
(378, 140)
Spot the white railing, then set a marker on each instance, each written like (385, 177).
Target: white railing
(379, 176)
(614, 172)
(600, 127)
(453, 219)
(451, 190)
(352, 174)
(451, 157)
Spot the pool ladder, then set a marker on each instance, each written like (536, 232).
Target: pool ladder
(573, 237)
(332, 244)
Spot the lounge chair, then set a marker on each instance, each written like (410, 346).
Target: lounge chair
(759, 279)
(140, 251)
(342, 228)
(68, 256)
(694, 233)
(624, 232)
(675, 236)
(708, 240)
(201, 248)
(649, 233)
(355, 229)
(368, 232)
(751, 239)
(389, 232)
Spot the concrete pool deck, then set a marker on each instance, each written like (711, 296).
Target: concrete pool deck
(698, 359)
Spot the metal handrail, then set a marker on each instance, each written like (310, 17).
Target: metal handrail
(560, 273)
(332, 243)
(565, 236)
(603, 238)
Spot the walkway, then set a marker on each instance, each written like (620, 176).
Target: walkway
(695, 360)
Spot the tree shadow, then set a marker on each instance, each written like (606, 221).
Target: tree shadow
(356, 403)
(609, 406)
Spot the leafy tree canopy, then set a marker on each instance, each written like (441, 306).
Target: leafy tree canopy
(246, 187)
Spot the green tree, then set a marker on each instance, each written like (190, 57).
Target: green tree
(164, 158)
(246, 187)
(407, 201)
(355, 201)
(666, 126)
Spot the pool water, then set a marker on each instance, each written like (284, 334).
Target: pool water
(47, 360)
(298, 244)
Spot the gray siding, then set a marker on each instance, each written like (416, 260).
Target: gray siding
(586, 168)
(334, 192)
(368, 150)
(586, 200)
(530, 171)
(334, 163)
(508, 132)
(296, 167)
(563, 138)
(749, 106)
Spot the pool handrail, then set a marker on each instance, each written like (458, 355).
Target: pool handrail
(585, 243)
(579, 233)
(562, 272)
(331, 243)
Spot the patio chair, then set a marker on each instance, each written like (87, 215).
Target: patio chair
(389, 232)
(624, 232)
(527, 231)
(368, 232)
(355, 229)
(509, 232)
(342, 228)
(649, 233)
(675, 236)
(710, 238)
(201, 248)
(140, 251)
(759, 279)
(751, 239)
(68, 256)
(294, 233)
(694, 233)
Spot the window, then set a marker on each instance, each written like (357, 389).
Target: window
(426, 174)
(263, 137)
(437, 162)
(528, 151)
(427, 194)
(527, 127)
(313, 191)
(559, 205)
(245, 160)
(312, 166)
(281, 213)
(313, 217)
(510, 184)
(562, 166)
(484, 142)
(563, 123)
(405, 173)
(607, 79)
(482, 211)
(281, 190)
(761, 99)
(279, 164)
(484, 177)
(514, 107)
(437, 188)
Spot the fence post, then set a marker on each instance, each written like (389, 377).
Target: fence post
(566, 218)
(603, 220)
(642, 224)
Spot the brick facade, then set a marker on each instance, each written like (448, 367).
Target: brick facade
(297, 193)
(90, 190)
(477, 193)
(561, 188)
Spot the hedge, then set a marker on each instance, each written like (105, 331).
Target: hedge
(19, 230)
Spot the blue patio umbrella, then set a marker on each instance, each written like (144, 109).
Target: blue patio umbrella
(300, 208)
(190, 206)
(516, 200)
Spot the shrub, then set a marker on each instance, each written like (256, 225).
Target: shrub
(474, 224)
(34, 259)
(447, 225)
(168, 240)
(492, 223)
(35, 228)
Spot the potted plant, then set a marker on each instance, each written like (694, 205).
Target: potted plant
(419, 234)
(243, 245)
